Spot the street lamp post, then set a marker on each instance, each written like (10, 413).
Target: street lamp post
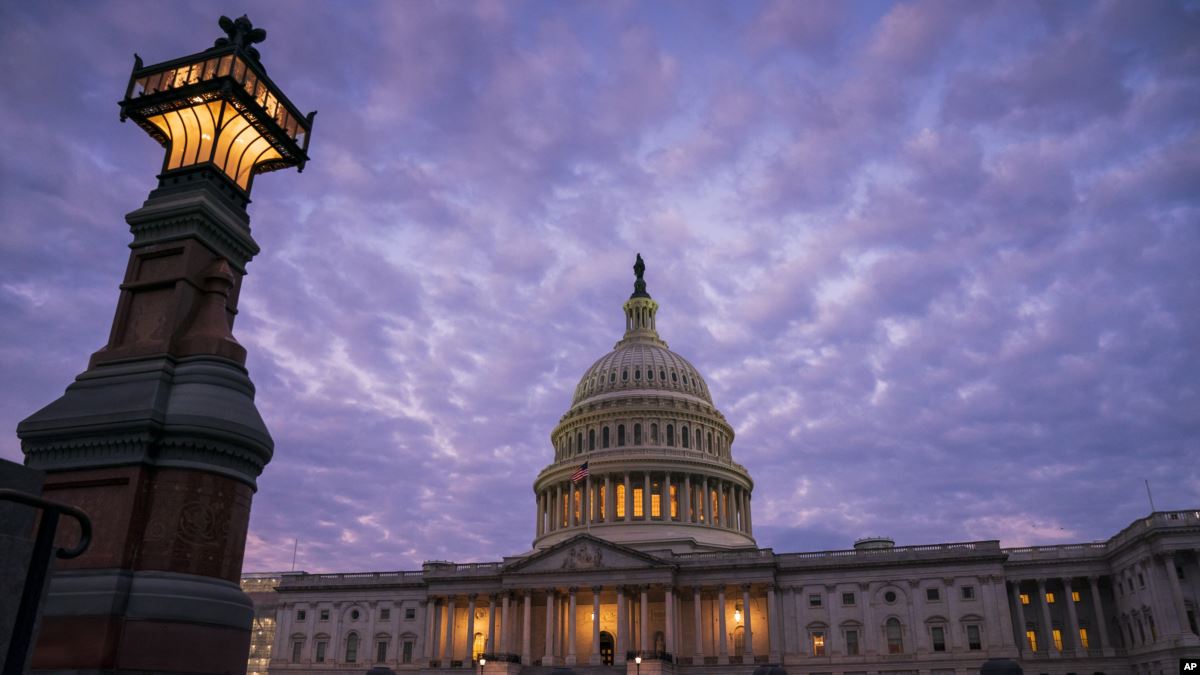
(638, 660)
(482, 663)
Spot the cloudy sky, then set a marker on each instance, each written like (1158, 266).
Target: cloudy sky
(938, 261)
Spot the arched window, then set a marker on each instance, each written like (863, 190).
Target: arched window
(625, 375)
(671, 435)
(477, 647)
(710, 445)
(895, 637)
(604, 436)
(579, 442)
(637, 373)
(654, 433)
(591, 439)
(352, 648)
(649, 373)
(637, 434)
(698, 446)
(621, 435)
(612, 377)
(674, 376)
(662, 374)
(683, 435)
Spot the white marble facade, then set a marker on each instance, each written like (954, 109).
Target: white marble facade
(654, 554)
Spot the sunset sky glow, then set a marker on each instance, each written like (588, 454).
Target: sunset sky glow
(937, 261)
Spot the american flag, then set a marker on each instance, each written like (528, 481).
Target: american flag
(580, 473)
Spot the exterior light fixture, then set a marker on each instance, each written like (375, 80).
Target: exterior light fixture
(219, 110)
(737, 616)
(638, 660)
(482, 663)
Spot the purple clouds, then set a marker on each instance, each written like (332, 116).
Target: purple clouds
(936, 260)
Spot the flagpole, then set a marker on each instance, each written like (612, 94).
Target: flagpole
(1148, 495)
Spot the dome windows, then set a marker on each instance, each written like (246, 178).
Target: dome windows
(650, 374)
(604, 435)
(637, 373)
(612, 377)
(621, 435)
(625, 375)
(591, 439)
(671, 435)
(654, 434)
(662, 374)
(637, 434)
(683, 435)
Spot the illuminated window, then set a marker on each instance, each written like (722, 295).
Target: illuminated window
(565, 508)
(818, 643)
(637, 503)
(656, 500)
(477, 647)
(1031, 637)
(1083, 637)
(674, 501)
(1057, 635)
(974, 642)
(715, 506)
(603, 502)
(620, 500)
(895, 637)
(683, 436)
(577, 497)
(1049, 598)
(1024, 598)
(1075, 596)
(939, 638)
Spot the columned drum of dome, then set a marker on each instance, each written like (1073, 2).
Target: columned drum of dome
(661, 473)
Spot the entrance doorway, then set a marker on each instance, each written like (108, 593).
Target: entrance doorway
(606, 648)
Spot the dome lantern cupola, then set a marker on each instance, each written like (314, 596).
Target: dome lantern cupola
(640, 310)
(642, 458)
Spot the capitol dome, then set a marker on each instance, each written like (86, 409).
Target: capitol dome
(657, 452)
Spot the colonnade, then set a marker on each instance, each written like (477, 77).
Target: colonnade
(621, 612)
(646, 496)
(1072, 640)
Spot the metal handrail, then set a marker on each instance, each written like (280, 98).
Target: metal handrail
(39, 567)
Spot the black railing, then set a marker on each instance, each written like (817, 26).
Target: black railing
(502, 658)
(39, 568)
(650, 656)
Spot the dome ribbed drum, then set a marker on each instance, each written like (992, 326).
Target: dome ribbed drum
(660, 473)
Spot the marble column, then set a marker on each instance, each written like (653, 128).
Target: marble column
(1047, 632)
(491, 631)
(608, 499)
(749, 515)
(527, 630)
(685, 500)
(1072, 619)
(699, 627)
(505, 602)
(1098, 611)
(720, 520)
(1177, 595)
(723, 653)
(595, 659)
(748, 645)
(571, 632)
(551, 601)
(448, 641)
(1022, 641)
(429, 650)
(669, 630)
(706, 500)
(646, 496)
(470, 637)
(622, 623)
(644, 619)
(773, 625)
(556, 511)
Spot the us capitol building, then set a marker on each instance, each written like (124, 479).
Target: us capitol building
(652, 554)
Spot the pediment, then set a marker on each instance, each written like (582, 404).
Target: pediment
(585, 552)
